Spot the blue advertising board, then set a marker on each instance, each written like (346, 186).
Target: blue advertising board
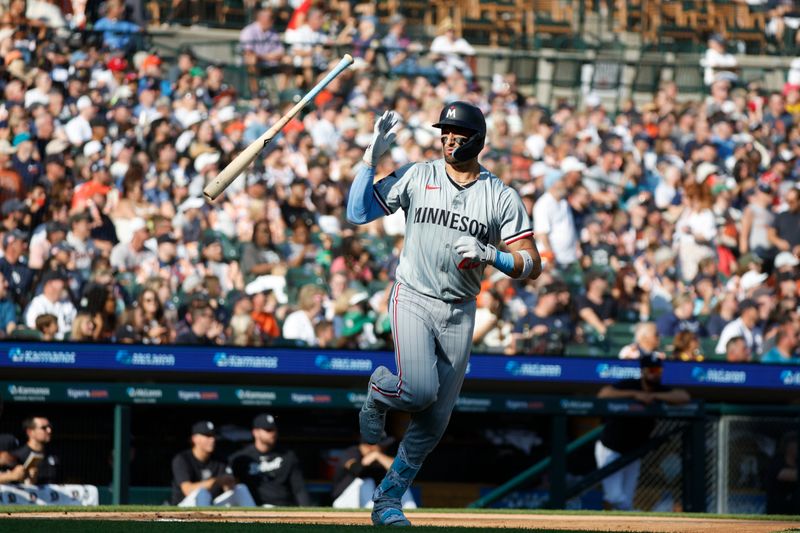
(290, 361)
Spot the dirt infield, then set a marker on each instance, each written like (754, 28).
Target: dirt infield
(583, 522)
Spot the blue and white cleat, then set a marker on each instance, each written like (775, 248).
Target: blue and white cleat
(390, 517)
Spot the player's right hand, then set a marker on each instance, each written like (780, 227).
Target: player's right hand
(382, 137)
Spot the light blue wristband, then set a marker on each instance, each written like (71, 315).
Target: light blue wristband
(504, 262)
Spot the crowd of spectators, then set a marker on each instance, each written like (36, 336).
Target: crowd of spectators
(682, 215)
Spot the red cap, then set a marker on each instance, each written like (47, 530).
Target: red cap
(117, 64)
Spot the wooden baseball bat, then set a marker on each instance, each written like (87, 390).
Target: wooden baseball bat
(243, 160)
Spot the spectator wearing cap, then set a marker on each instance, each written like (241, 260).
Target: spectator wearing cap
(52, 300)
(118, 33)
(272, 474)
(297, 205)
(544, 329)
(79, 128)
(622, 435)
(62, 263)
(200, 480)
(786, 343)
(165, 264)
(10, 181)
(24, 162)
(553, 223)
(681, 318)
(645, 343)
(13, 214)
(353, 323)
(784, 233)
(746, 326)
(263, 50)
(299, 325)
(14, 268)
(359, 469)
(214, 262)
(717, 59)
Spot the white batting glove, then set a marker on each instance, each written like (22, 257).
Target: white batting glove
(382, 138)
(472, 248)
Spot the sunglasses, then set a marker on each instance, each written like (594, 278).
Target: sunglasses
(456, 139)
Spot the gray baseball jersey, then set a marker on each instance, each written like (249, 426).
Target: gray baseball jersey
(438, 212)
(432, 305)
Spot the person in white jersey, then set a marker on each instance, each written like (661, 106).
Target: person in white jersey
(457, 212)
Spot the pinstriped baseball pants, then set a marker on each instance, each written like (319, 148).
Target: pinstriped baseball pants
(433, 340)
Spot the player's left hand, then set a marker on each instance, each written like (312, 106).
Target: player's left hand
(472, 248)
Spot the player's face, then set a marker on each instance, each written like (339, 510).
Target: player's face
(42, 431)
(205, 442)
(452, 138)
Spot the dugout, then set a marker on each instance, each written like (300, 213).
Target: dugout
(698, 460)
(514, 414)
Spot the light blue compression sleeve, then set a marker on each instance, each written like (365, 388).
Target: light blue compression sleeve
(504, 262)
(362, 207)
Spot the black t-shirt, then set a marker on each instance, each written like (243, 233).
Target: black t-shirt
(19, 278)
(189, 337)
(344, 476)
(624, 434)
(106, 231)
(291, 214)
(787, 225)
(273, 478)
(48, 467)
(186, 467)
(605, 310)
(600, 253)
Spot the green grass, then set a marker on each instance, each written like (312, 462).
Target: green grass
(25, 525)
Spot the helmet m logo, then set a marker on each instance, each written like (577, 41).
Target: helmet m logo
(451, 113)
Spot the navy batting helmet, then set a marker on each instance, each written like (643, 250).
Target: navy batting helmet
(467, 116)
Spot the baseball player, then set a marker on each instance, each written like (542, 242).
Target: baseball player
(456, 213)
